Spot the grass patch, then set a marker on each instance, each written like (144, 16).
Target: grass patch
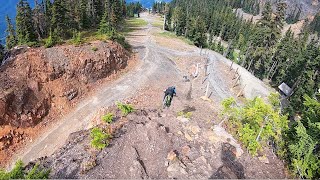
(157, 24)
(132, 24)
(125, 108)
(108, 118)
(172, 35)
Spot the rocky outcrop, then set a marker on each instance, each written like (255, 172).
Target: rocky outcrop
(34, 80)
(149, 144)
(308, 7)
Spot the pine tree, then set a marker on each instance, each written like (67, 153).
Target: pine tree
(279, 19)
(306, 70)
(11, 39)
(303, 141)
(24, 21)
(48, 14)
(138, 8)
(40, 22)
(199, 36)
(179, 21)
(284, 56)
(315, 24)
(104, 27)
(59, 18)
(84, 20)
(168, 17)
(1, 52)
(116, 13)
(124, 8)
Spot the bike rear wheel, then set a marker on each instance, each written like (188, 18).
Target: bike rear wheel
(167, 101)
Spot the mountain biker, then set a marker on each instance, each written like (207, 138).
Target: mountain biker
(171, 91)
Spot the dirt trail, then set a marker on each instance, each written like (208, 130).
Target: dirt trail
(153, 65)
(156, 68)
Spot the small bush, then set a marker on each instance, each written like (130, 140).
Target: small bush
(125, 108)
(51, 40)
(119, 38)
(256, 122)
(108, 118)
(94, 49)
(99, 139)
(33, 44)
(77, 38)
(36, 173)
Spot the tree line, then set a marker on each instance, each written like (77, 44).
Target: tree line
(265, 52)
(60, 19)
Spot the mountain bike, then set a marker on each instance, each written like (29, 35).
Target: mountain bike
(167, 101)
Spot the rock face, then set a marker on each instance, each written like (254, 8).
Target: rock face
(32, 81)
(148, 145)
(139, 150)
(308, 7)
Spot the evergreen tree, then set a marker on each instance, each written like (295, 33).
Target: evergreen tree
(24, 23)
(84, 20)
(40, 23)
(48, 15)
(284, 56)
(198, 35)
(59, 19)
(307, 69)
(116, 13)
(1, 52)
(168, 17)
(104, 27)
(303, 141)
(11, 39)
(179, 21)
(315, 24)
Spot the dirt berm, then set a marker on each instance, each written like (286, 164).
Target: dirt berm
(36, 83)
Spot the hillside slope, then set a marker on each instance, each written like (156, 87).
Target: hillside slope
(308, 7)
(39, 84)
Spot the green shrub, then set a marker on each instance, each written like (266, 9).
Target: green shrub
(36, 173)
(77, 38)
(256, 122)
(18, 172)
(108, 118)
(99, 139)
(50, 41)
(94, 49)
(125, 108)
(33, 44)
(115, 36)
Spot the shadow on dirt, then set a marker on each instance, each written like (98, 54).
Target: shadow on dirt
(138, 47)
(231, 168)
